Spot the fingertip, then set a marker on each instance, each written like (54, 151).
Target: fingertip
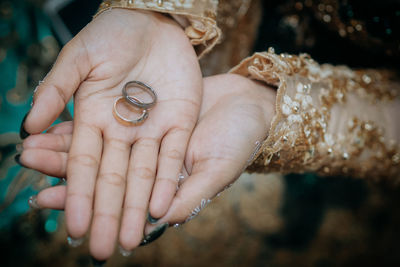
(131, 233)
(46, 161)
(158, 207)
(102, 239)
(179, 210)
(30, 142)
(162, 196)
(52, 198)
(77, 217)
(43, 113)
(129, 244)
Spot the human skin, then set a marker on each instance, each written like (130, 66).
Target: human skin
(235, 113)
(118, 172)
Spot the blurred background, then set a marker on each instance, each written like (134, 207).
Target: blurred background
(262, 220)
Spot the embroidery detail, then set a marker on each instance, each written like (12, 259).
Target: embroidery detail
(314, 104)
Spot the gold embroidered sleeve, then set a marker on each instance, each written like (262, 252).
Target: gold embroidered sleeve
(329, 120)
(197, 16)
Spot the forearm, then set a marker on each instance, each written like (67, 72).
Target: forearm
(329, 120)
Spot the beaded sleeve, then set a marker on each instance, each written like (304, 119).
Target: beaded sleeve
(329, 119)
(197, 16)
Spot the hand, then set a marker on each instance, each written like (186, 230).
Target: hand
(235, 113)
(111, 165)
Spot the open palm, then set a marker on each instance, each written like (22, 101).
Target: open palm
(111, 165)
(235, 114)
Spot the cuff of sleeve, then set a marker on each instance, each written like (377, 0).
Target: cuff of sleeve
(275, 71)
(197, 18)
(321, 123)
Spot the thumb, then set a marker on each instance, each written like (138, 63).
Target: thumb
(207, 180)
(70, 69)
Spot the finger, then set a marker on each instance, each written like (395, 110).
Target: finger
(48, 141)
(110, 190)
(65, 127)
(170, 163)
(45, 161)
(52, 197)
(141, 175)
(70, 69)
(209, 177)
(82, 168)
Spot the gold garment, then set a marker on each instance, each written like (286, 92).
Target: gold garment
(329, 120)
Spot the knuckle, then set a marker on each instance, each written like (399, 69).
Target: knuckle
(106, 216)
(147, 142)
(80, 195)
(62, 163)
(90, 128)
(64, 142)
(180, 130)
(144, 173)
(61, 94)
(174, 154)
(112, 178)
(118, 144)
(84, 159)
(173, 182)
(135, 209)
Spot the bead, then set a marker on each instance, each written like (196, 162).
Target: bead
(300, 88)
(327, 18)
(271, 50)
(368, 127)
(396, 158)
(366, 78)
(286, 110)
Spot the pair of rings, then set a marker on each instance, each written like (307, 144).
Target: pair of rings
(135, 102)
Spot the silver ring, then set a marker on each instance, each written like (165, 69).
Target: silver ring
(141, 119)
(134, 101)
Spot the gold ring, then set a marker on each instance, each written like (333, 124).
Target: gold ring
(121, 118)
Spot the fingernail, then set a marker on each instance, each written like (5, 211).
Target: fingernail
(151, 219)
(19, 148)
(124, 252)
(75, 242)
(97, 263)
(17, 159)
(32, 202)
(22, 132)
(155, 234)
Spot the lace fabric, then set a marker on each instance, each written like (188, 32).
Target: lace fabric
(329, 119)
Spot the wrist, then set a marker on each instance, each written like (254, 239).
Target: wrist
(153, 18)
(266, 99)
